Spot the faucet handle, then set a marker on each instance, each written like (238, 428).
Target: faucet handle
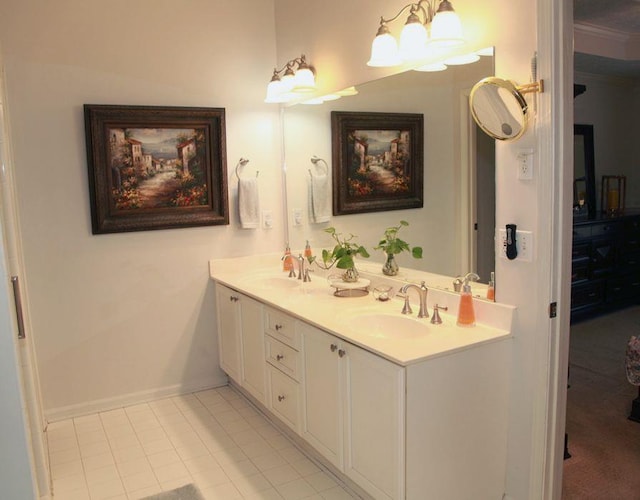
(406, 309)
(306, 278)
(435, 319)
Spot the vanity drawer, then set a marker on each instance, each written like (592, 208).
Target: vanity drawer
(283, 357)
(284, 397)
(282, 327)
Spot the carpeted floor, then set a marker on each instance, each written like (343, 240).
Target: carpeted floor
(604, 444)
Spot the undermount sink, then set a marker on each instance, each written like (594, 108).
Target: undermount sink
(389, 326)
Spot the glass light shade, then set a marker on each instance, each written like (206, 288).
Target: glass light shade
(275, 92)
(304, 81)
(313, 101)
(413, 41)
(287, 81)
(331, 97)
(384, 51)
(432, 67)
(446, 29)
(463, 59)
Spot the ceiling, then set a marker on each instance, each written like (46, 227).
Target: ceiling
(617, 15)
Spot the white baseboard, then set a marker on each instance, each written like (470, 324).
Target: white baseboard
(89, 407)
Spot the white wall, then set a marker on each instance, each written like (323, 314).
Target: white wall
(611, 105)
(124, 316)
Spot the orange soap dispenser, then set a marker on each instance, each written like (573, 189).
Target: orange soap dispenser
(466, 313)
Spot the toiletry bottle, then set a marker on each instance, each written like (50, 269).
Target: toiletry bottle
(466, 313)
(491, 291)
(307, 250)
(287, 260)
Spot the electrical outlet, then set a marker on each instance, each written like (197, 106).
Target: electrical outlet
(524, 244)
(297, 216)
(525, 164)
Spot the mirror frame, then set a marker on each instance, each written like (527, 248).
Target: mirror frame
(518, 99)
(586, 131)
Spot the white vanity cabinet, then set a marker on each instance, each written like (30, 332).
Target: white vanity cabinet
(406, 418)
(241, 340)
(354, 411)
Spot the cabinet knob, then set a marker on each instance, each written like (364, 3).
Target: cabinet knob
(333, 347)
(280, 398)
(233, 298)
(341, 352)
(280, 357)
(278, 327)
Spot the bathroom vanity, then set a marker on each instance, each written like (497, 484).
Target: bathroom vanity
(398, 407)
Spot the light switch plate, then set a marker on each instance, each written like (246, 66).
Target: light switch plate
(267, 219)
(524, 244)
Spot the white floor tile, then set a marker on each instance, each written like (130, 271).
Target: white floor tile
(215, 439)
(296, 490)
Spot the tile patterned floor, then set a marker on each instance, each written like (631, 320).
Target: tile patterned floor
(214, 439)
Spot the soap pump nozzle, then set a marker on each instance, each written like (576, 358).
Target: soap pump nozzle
(466, 287)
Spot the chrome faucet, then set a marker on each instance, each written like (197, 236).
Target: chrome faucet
(422, 290)
(303, 274)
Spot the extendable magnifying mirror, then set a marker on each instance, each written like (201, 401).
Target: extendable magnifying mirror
(499, 107)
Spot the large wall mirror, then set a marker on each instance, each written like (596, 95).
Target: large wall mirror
(455, 227)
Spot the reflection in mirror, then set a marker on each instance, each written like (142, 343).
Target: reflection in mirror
(584, 188)
(445, 226)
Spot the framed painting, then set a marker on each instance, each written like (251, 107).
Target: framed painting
(377, 161)
(155, 167)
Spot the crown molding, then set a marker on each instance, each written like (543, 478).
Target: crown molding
(607, 42)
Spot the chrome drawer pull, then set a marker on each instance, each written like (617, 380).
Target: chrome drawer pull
(279, 327)
(333, 347)
(233, 298)
(280, 398)
(341, 353)
(279, 357)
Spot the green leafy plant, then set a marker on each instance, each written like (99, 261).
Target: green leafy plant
(392, 245)
(343, 252)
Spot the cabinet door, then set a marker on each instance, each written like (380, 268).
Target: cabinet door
(374, 423)
(229, 344)
(252, 337)
(322, 406)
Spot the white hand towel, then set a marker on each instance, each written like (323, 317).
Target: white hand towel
(320, 198)
(249, 202)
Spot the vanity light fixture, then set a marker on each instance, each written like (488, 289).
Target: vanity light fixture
(296, 77)
(431, 23)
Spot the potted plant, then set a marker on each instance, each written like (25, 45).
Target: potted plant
(342, 255)
(392, 245)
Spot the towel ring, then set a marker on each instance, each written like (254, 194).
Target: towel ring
(315, 160)
(241, 163)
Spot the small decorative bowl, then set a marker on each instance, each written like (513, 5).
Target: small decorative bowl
(382, 293)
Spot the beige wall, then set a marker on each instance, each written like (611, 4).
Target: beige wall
(126, 316)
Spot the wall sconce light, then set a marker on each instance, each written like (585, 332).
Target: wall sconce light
(426, 27)
(294, 78)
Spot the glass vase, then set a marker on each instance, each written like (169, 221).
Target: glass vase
(390, 267)
(350, 275)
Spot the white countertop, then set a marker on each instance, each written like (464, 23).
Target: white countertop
(262, 278)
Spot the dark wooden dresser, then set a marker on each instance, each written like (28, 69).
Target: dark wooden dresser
(605, 264)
